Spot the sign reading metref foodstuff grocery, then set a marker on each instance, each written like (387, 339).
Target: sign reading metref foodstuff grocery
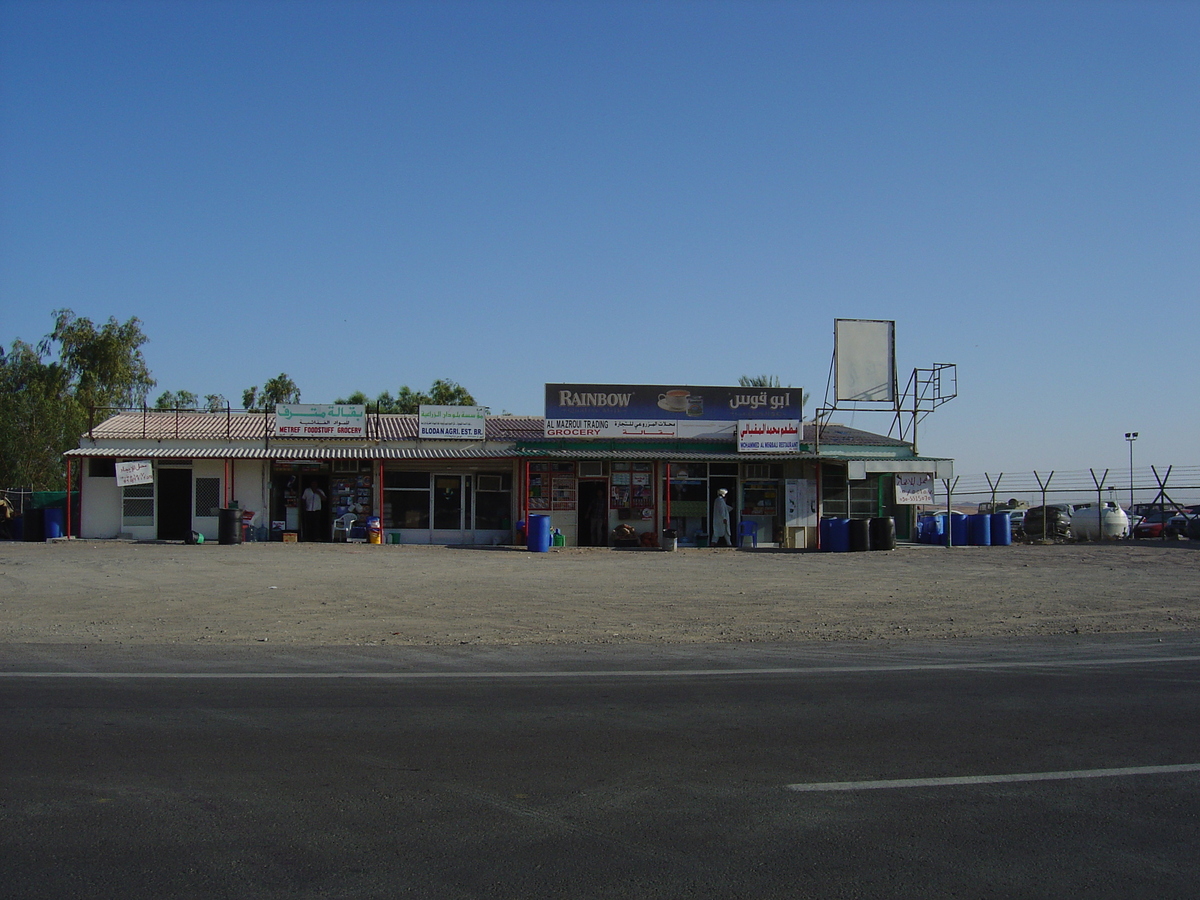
(666, 411)
(323, 420)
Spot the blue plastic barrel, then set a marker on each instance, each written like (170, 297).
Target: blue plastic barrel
(1001, 529)
(957, 531)
(835, 535)
(56, 520)
(979, 530)
(539, 534)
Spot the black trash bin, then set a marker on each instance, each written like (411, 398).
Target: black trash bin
(229, 526)
(883, 533)
(860, 534)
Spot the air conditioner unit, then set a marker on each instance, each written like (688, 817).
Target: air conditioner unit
(594, 469)
(489, 483)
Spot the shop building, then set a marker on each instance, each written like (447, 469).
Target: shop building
(161, 475)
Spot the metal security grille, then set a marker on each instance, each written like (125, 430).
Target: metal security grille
(137, 505)
(208, 496)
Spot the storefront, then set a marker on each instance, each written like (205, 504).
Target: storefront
(475, 478)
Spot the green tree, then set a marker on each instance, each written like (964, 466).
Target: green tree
(176, 400)
(45, 405)
(105, 364)
(280, 389)
(407, 401)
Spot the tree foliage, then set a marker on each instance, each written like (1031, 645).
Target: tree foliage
(280, 389)
(407, 401)
(46, 403)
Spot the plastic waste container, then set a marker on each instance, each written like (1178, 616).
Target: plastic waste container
(539, 534)
(229, 525)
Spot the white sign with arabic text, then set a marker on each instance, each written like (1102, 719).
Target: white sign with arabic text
(135, 472)
(324, 420)
(453, 422)
(768, 436)
(915, 488)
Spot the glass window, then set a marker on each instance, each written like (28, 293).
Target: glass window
(406, 499)
(137, 505)
(419, 480)
(493, 501)
(102, 467)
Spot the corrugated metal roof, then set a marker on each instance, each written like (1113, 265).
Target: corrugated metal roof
(162, 425)
(157, 425)
(293, 452)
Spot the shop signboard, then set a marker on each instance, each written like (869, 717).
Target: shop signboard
(662, 411)
(134, 472)
(914, 488)
(452, 422)
(321, 420)
(768, 436)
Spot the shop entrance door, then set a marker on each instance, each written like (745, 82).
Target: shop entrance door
(451, 508)
(174, 504)
(732, 500)
(593, 514)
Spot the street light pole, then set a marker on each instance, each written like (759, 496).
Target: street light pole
(1131, 436)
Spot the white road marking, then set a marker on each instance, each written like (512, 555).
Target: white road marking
(993, 779)
(960, 665)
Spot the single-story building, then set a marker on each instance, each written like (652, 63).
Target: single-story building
(162, 475)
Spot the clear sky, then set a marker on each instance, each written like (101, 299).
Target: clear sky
(370, 194)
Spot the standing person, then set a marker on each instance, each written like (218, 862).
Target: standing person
(720, 520)
(313, 499)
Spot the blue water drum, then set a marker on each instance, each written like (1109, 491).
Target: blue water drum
(539, 534)
(958, 531)
(979, 530)
(924, 529)
(835, 535)
(1001, 529)
(56, 520)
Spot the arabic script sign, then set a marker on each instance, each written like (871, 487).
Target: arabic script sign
(134, 472)
(914, 489)
(453, 422)
(324, 420)
(769, 436)
(662, 411)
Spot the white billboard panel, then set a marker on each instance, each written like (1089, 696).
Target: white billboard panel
(865, 360)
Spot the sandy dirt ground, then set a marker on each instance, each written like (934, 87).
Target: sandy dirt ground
(116, 593)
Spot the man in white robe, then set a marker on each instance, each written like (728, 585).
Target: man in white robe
(720, 520)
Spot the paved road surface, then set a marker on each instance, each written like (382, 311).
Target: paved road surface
(831, 771)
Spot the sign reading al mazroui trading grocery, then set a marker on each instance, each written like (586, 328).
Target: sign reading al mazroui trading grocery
(326, 420)
(640, 411)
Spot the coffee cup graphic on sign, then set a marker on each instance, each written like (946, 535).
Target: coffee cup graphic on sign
(674, 401)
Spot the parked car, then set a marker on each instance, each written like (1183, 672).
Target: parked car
(1184, 524)
(1152, 525)
(1051, 520)
(1017, 518)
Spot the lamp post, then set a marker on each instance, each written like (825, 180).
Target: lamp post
(1131, 436)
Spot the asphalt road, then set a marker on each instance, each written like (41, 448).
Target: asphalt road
(1044, 768)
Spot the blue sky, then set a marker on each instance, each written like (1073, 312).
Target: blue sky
(370, 194)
